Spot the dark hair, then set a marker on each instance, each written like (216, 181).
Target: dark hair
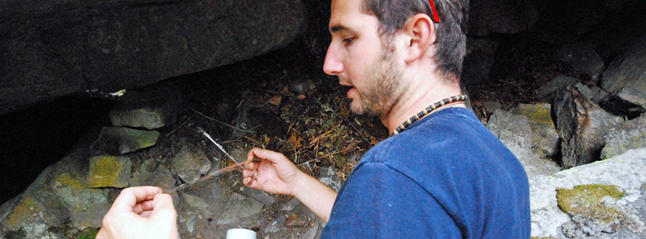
(451, 31)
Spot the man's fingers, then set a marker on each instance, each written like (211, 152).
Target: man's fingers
(129, 198)
(265, 154)
(163, 207)
(163, 201)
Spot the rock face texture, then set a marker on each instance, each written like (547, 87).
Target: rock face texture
(511, 16)
(581, 126)
(609, 200)
(626, 75)
(52, 49)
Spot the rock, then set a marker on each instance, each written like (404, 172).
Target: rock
(511, 17)
(191, 163)
(593, 93)
(627, 135)
(109, 171)
(87, 206)
(122, 140)
(195, 202)
(515, 132)
(51, 203)
(33, 214)
(65, 47)
(478, 60)
(492, 106)
(626, 75)
(329, 177)
(624, 172)
(593, 209)
(290, 205)
(569, 20)
(583, 58)
(545, 140)
(240, 208)
(152, 173)
(581, 125)
(558, 82)
(149, 108)
(275, 225)
(259, 195)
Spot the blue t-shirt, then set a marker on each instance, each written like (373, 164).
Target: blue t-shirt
(446, 176)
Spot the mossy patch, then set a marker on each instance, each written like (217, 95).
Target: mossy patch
(588, 201)
(88, 233)
(66, 179)
(109, 171)
(538, 114)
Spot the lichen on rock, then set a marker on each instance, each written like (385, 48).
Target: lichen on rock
(109, 171)
(593, 209)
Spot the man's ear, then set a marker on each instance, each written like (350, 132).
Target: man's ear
(421, 32)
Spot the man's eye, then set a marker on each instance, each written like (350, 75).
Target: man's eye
(348, 40)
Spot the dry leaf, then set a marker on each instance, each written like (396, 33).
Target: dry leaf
(275, 100)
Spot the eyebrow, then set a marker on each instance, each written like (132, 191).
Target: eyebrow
(337, 28)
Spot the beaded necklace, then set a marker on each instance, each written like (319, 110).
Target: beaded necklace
(428, 110)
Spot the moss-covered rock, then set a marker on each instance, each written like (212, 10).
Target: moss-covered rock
(587, 199)
(109, 171)
(593, 209)
(545, 139)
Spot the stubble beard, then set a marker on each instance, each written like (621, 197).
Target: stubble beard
(383, 87)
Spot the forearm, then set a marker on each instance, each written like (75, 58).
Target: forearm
(315, 195)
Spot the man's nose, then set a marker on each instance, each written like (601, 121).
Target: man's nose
(332, 65)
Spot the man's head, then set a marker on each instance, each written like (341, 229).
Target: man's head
(382, 50)
(451, 31)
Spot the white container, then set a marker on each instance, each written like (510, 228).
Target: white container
(240, 233)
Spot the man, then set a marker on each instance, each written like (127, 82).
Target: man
(441, 174)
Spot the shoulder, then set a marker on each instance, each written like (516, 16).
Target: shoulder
(444, 135)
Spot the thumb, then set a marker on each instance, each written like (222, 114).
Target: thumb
(163, 207)
(272, 156)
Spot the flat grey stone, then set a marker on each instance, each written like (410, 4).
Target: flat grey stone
(190, 163)
(626, 75)
(328, 177)
(556, 83)
(515, 132)
(150, 108)
(122, 140)
(626, 171)
(109, 171)
(622, 137)
(583, 58)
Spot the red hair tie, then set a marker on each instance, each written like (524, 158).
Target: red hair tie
(436, 18)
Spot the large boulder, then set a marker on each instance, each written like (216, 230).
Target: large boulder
(627, 135)
(61, 47)
(516, 133)
(626, 75)
(581, 124)
(600, 200)
(510, 16)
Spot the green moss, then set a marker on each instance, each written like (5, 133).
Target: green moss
(536, 113)
(88, 233)
(67, 180)
(586, 200)
(108, 171)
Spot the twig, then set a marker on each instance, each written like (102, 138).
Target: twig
(225, 124)
(178, 127)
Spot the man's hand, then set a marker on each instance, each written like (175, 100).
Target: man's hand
(140, 212)
(274, 173)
